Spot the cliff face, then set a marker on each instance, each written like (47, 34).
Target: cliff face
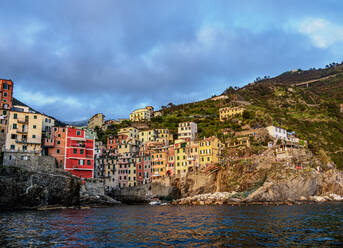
(20, 188)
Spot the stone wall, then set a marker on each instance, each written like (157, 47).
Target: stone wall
(93, 186)
(33, 161)
(21, 188)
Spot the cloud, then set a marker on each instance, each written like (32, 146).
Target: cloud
(72, 59)
(323, 33)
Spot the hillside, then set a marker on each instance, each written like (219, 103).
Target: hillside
(313, 113)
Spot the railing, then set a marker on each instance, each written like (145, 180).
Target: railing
(22, 131)
(77, 145)
(21, 150)
(25, 141)
(23, 121)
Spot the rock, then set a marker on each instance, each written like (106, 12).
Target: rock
(335, 197)
(303, 198)
(21, 188)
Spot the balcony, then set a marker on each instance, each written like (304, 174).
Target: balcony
(22, 150)
(23, 130)
(78, 145)
(23, 121)
(25, 141)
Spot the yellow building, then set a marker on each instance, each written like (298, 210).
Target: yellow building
(192, 155)
(131, 132)
(159, 160)
(181, 159)
(131, 176)
(210, 151)
(164, 136)
(147, 136)
(24, 133)
(142, 114)
(96, 121)
(228, 112)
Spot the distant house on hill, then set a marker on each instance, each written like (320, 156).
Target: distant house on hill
(96, 121)
(222, 97)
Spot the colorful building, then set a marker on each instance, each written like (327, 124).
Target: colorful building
(181, 160)
(79, 157)
(192, 155)
(277, 133)
(96, 120)
(70, 147)
(24, 133)
(131, 133)
(147, 136)
(229, 112)
(142, 114)
(143, 166)
(164, 136)
(56, 145)
(158, 160)
(6, 103)
(6, 94)
(210, 151)
(171, 161)
(187, 130)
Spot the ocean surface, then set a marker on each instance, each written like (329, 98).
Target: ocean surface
(310, 225)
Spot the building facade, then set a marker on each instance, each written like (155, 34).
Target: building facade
(96, 120)
(6, 94)
(277, 133)
(187, 130)
(229, 112)
(142, 114)
(210, 151)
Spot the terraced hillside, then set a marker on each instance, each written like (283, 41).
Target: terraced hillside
(313, 112)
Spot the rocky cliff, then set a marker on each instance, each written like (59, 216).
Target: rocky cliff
(21, 188)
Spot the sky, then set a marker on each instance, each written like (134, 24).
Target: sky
(72, 59)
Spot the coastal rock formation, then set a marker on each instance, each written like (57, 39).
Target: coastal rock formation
(20, 188)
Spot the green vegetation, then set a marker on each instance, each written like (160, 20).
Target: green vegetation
(313, 113)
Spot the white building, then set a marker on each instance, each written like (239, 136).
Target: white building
(277, 133)
(187, 130)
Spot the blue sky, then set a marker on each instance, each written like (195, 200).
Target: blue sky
(72, 59)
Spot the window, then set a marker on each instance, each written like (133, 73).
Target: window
(75, 151)
(81, 151)
(89, 162)
(14, 126)
(34, 126)
(81, 162)
(33, 136)
(5, 94)
(12, 147)
(13, 136)
(58, 142)
(58, 151)
(15, 116)
(78, 133)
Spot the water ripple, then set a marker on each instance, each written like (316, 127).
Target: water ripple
(169, 226)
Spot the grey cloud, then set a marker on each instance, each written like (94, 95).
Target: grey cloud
(113, 55)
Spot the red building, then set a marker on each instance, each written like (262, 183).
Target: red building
(77, 155)
(114, 141)
(6, 91)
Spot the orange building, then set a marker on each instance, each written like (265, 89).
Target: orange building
(56, 145)
(6, 91)
(6, 103)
